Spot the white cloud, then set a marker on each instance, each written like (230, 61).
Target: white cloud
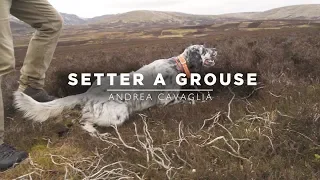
(101, 7)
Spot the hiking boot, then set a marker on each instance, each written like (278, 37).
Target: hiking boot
(9, 156)
(39, 95)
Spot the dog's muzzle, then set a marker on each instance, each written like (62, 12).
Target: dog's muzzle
(209, 62)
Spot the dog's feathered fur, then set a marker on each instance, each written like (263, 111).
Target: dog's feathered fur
(98, 109)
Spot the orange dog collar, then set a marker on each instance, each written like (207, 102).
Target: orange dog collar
(181, 61)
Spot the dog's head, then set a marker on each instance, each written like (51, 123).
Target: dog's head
(199, 56)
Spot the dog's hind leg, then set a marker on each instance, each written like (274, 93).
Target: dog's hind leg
(87, 120)
(105, 113)
(111, 114)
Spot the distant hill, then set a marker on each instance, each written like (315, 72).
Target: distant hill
(71, 19)
(243, 15)
(297, 12)
(144, 16)
(300, 12)
(19, 27)
(145, 19)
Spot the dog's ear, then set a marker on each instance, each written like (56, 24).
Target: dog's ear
(194, 60)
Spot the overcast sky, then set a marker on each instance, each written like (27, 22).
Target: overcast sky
(91, 8)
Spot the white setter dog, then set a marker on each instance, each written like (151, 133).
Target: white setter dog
(99, 109)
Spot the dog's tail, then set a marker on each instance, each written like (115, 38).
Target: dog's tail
(40, 112)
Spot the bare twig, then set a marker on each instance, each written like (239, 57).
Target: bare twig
(120, 138)
(229, 105)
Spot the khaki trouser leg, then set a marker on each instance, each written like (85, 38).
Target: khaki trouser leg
(43, 17)
(1, 115)
(7, 61)
(48, 24)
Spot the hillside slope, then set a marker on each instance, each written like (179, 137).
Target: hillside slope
(305, 12)
(69, 19)
(144, 16)
(148, 19)
(301, 12)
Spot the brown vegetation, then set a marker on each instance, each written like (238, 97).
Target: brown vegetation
(268, 132)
